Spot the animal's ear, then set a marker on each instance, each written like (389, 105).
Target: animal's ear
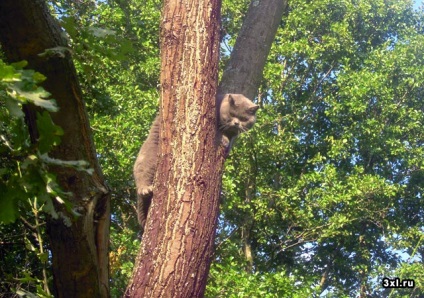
(231, 99)
(253, 109)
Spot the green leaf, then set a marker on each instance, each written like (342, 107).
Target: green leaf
(9, 211)
(100, 32)
(49, 132)
(14, 107)
(36, 97)
(20, 64)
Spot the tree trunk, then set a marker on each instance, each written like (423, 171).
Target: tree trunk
(79, 250)
(243, 72)
(178, 240)
(179, 234)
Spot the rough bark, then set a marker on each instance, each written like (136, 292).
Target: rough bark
(243, 72)
(179, 234)
(80, 250)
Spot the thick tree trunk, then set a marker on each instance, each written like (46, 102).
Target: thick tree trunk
(79, 250)
(177, 244)
(179, 234)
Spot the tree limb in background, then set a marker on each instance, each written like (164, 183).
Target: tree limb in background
(243, 72)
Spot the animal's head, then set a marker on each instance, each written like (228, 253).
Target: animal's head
(237, 114)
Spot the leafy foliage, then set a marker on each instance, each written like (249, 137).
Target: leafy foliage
(239, 283)
(323, 182)
(28, 190)
(24, 173)
(26, 186)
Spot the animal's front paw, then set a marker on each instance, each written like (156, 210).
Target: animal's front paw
(148, 191)
(225, 141)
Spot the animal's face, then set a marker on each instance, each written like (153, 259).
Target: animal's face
(237, 114)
